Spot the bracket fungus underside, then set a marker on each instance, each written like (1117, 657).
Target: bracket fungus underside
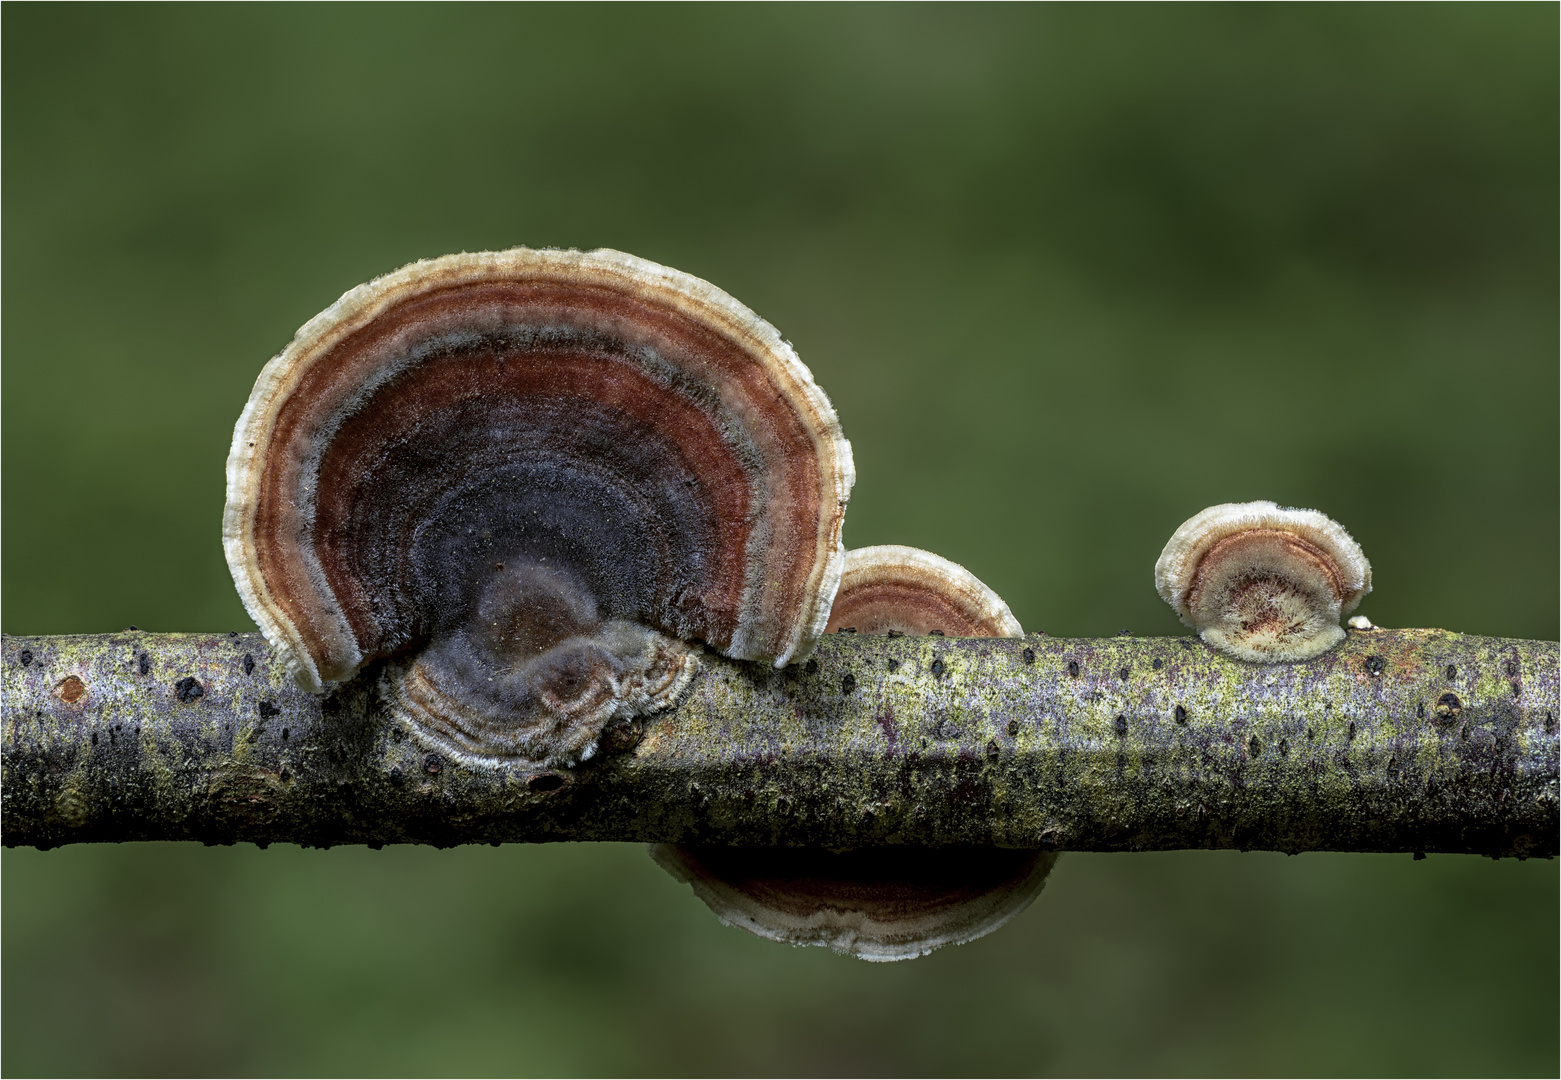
(532, 483)
(1262, 582)
(886, 903)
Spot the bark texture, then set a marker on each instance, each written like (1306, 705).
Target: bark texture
(1402, 740)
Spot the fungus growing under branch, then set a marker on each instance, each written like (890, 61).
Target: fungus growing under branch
(892, 902)
(529, 482)
(884, 903)
(1262, 582)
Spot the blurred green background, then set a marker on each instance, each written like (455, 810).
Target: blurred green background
(1070, 274)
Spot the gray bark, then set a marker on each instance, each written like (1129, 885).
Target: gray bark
(1407, 740)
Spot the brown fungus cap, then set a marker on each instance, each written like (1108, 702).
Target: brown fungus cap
(886, 903)
(530, 479)
(1263, 582)
(911, 591)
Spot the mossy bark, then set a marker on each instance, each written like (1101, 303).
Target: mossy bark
(1407, 740)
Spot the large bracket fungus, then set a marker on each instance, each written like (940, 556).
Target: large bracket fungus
(892, 902)
(1263, 582)
(531, 482)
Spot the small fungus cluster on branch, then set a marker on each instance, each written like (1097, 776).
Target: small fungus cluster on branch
(529, 487)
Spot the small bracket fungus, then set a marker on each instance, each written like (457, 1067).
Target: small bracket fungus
(905, 590)
(889, 903)
(529, 482)
(1263, 582)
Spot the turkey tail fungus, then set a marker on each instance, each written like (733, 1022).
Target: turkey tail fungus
(883, 903)
(530, 483)
(1262, 582)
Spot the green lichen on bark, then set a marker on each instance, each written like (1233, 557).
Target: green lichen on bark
(1408, 740)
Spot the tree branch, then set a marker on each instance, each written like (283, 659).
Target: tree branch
(1407, 740)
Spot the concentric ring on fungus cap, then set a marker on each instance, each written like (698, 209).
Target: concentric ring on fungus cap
(531, 480)
(1263, 582)
(883, 903)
